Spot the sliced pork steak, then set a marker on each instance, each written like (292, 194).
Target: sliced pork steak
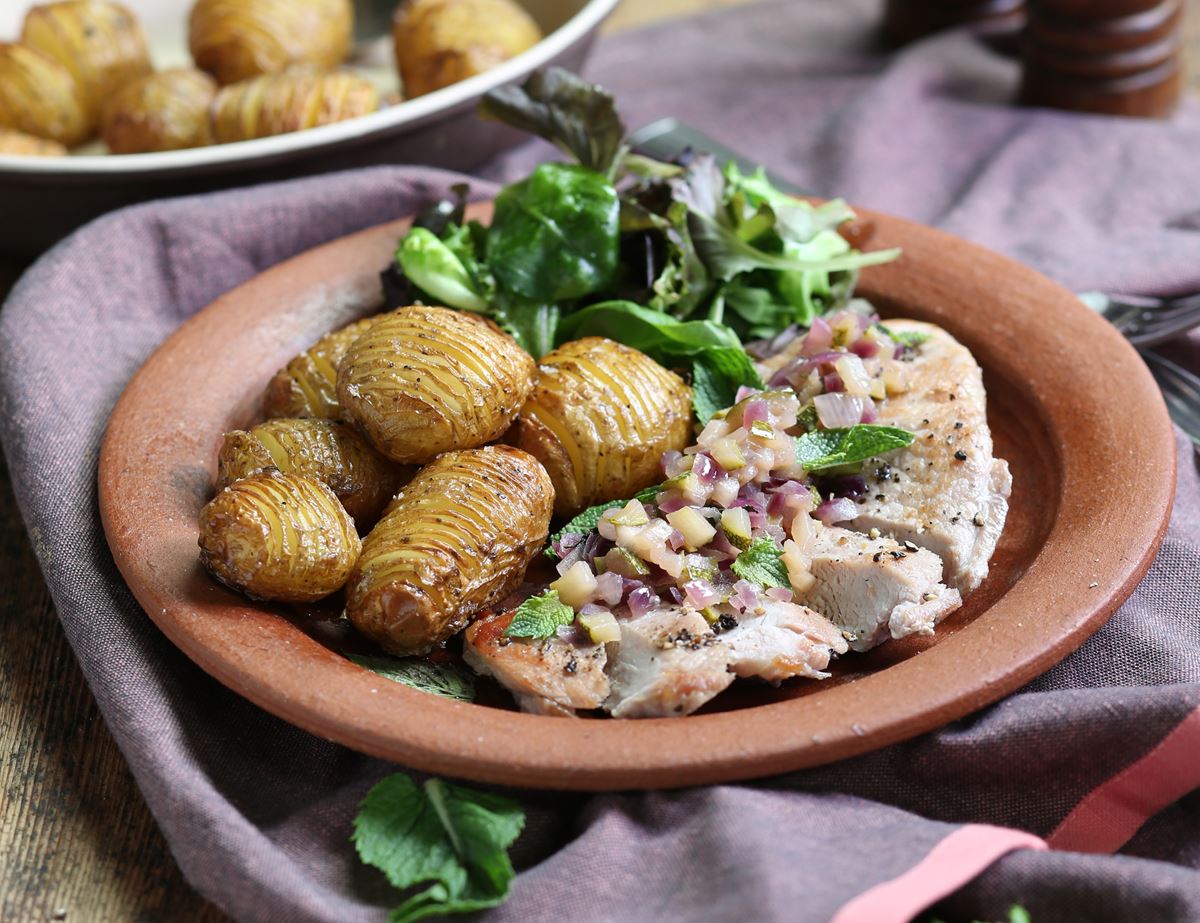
(875, 588)
(667, 663)
(945, 492)
(785, 640)
(550, 677)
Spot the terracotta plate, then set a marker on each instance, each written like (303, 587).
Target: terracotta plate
(1072, 408)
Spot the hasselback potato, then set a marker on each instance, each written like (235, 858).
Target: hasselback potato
(23, 145)
(307, 386)
(457, 539)
(334, 453)
(237, 39)
(99, 42)
(599, 419)
(423, 381)
(277, 104)
(278, 536)
(439, 42)
(167, 111)
(38, 96)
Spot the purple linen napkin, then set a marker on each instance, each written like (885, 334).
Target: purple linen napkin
(258, 813)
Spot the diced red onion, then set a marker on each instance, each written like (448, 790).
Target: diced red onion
(641, 601)
(774, 532)
(592, 609)
(784, 506)
(832, 382)
(610, 587)
(837, 510)
(676, 594)
(838, 410)
(669, 460)
(797, 488)
(870, 412)
(673, 502)
(818, 339)
(675, 540)
(755, 412)
(745, 596)
(743, 392)
(720, 547)
(781, 593)
(705, 469)
(701, 593)
(864, 348)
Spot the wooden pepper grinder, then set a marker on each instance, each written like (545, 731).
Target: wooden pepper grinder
(1116, 57)
(906, 21)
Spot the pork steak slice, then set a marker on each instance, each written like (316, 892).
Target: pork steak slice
(783, 641)
(550, 677)
(945, 492)
(875, 588)
(668, 663)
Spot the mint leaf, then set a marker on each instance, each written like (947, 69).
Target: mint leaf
(832, 448)
(905, 337)
(760, 563)
(455, 837)
(589, 519)
(540, 617)
(717, 374)
(444, 679)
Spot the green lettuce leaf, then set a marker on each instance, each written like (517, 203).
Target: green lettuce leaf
(455, 837)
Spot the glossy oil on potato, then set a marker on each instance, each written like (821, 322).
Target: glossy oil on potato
(278, 104)
(458, 539)
(39, 97)
(237, 39)
(99, 42)
(440, 42)
(599, 419)
(167, 111)
(23, 145)
(278, 536)
(307, 386)
(334, 453)
(423, 381)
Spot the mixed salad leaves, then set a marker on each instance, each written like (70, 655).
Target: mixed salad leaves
(683, 261)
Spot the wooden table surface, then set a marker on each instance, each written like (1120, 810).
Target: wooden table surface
(76, 839)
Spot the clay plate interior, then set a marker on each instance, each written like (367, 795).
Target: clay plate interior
(1071, 406)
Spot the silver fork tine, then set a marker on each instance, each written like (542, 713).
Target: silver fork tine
(1181, 391)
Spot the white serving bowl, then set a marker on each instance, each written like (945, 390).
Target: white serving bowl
(44, 198)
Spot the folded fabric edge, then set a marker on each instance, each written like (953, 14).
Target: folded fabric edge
(1109, 816)
(955, 860)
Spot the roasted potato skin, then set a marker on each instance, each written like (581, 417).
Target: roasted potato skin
(99, 42)
(23, 145)
(440, 42)
(278, 536)
(599, 419)
(307, 386)
(238, 39)
(167, 111)
(277, 104)
(39, 97)
(334, 453)
(425, 380)
(457, 539)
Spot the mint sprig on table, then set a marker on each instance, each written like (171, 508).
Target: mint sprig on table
(453, 837)
(822, 449)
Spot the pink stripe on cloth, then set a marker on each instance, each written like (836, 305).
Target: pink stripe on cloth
(1114, 811)
(949, 865)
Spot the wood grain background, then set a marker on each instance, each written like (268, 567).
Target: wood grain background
(77, 842)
